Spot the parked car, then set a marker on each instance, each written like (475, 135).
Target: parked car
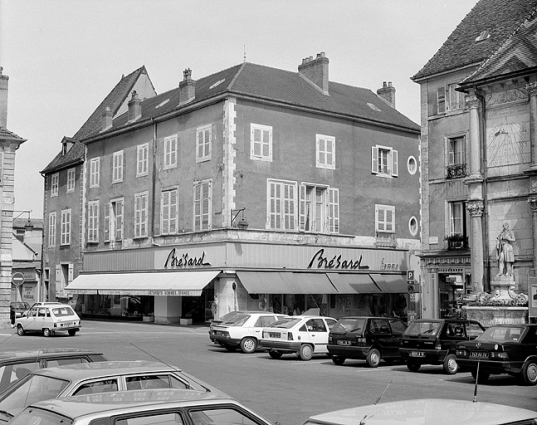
(16, 309)
(164, 407)
(510, 349)
(301, 335)
(430, 341)
(15, 365)
(364, 337)
(244, 330)
(95, 378)
(225, 318)
(48, 319)
(427, 411)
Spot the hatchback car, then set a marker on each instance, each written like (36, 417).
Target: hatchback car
(95, 378)
(244, 330)
(225, 318)
(363, 337)
(429, 341)
(164, 407)
(15, 365)
(301, 335)
(510, 349)
(428, 411)
(49, 319)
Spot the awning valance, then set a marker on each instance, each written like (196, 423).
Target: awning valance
(187, 283)
(347, 283)
(269, 282)
(393, 284)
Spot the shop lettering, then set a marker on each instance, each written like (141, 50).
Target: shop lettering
(388, 266)
(335, 262)
(184, 260)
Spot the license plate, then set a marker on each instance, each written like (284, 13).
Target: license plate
(275, 335)
(417, 354)
(479, 355)
(343, 342)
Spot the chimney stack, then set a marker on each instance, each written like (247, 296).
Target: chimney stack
(187, 88)
(4, 79)
(387, 92)
(316, 71)
(107, 119)
(135, 107)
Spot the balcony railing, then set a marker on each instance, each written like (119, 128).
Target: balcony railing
(456, 242)
(385, 240)
(455, 171)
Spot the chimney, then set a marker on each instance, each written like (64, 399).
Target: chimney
(316, 71)
(4, 79)
(387, 92)
(187, 88)
(135, 107)
(107, 119)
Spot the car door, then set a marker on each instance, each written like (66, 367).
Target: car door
(262, 322)
(318, 334)
(381, 335)
(29, 322)
(397, 328)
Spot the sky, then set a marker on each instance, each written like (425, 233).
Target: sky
(64, 56)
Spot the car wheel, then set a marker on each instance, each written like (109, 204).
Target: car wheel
(338, 360)
(72, 332)
(413, 366)
(483, 376)
(373, 358)
(306, 352)
(275, 354)
(47, 333)
(529, 373)
(450, 364)
(20, 330)
(248, 345)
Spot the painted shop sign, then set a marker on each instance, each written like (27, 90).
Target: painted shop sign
(184, 260)
(336, 262)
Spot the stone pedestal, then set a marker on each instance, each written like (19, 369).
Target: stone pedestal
(501, 286)
(490, 316)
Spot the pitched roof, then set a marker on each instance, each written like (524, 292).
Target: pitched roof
(114, 100)
(5, 134)
(518, 53)
(282, 87)
(500, 18)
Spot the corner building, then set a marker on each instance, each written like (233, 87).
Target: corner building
(255, 189)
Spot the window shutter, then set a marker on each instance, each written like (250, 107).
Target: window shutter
(441, 99)
(302, 208)
(389, 215)
(395, 163)
(266, 144)
(374, 159)
(333, 210)
(119, 220)
(58, 279)
(173, 211)
(70, 274)
(107, 222)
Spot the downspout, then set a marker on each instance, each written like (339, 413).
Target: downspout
(153, 178)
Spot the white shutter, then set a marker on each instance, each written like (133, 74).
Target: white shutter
(70, 274)
(395, 163)
(333, 210)
(441, 99)
(107, 222)
(302, 208)
(374, 159)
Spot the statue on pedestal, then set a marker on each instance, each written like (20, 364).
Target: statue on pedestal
(504, 250)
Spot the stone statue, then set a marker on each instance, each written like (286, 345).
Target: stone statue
(504, 251)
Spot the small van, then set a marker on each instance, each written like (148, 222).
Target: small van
(49, 319)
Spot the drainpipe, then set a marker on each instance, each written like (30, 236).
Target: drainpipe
(153, 177)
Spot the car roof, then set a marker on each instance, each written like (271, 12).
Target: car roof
(444, 320)
(368, 317)
(420, 411)
(128, 401)
(45, 353)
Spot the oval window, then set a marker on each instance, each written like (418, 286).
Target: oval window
(413, 226)
(412, 165)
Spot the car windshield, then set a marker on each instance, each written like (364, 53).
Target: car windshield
(63, 311)
(423, 328)
(31, 389)
(41, 417)
(227, 317)
(349, 324)
(502, 334)
(285, 323)
(238, 320)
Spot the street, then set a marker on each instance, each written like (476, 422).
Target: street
(288, 390)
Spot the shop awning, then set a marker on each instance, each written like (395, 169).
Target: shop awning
(188, 283)
(347, 283)
(313, 283)
(392, 284)
(269, 282)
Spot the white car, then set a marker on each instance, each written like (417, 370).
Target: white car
(243, 330)
(302, 335)
(48, 319)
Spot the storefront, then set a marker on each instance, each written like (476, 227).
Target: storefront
(24, 285)
(194, 283)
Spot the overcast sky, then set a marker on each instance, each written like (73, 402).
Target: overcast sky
(64, 56)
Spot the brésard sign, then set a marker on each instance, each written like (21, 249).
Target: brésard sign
(184, 260)
(319, 261)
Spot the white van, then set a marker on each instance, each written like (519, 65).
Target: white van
(49, 319)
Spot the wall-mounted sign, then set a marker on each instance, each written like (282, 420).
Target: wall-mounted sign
(184, 260)
(336, 262)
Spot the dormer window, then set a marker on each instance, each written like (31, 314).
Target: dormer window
(483, 36)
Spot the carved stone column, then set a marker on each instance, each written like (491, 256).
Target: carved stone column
(475, 140)
(532, 93)
(475, 209)
(532, 200)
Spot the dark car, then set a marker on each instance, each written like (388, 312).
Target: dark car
(363, 337)
(16, 308)
(434, 341)
(15, 365)
(510, 349)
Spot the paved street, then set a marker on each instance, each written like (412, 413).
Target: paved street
(286, 390)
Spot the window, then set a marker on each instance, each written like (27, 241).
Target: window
(385, 218)
(140, 215)
(202, 205)
(95, 164)
(52, 229)
(281, 205)
(456, 99)
(170, 152)
(441, 100)
(412, 165)
(54, 184)
(326, 152)
(142, 160)
(384, 161)
(319, 209)
(66, 227)
(168, 212)
(71, 180)
(261, 142)
(456, 151)
(413, 226)
(203, 143)
(117, 167)
(113, 221)
(457, 218)
(93, 221)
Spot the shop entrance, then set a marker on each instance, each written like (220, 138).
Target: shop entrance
(451, 290)
(200, 309)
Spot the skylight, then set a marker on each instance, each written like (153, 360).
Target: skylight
(217, 83)
(162, 103)
(374, 107)
(483, 36)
